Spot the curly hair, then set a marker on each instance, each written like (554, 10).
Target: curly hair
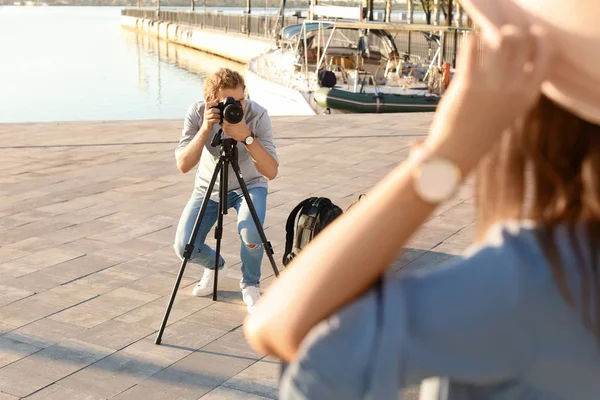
(223, 78)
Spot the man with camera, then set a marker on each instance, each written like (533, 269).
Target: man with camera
(258, 163)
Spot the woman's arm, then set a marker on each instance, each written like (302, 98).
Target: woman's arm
(346, 258)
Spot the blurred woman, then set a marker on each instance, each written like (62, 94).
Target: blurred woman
(519, 314)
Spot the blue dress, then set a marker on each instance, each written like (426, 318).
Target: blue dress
(492, 323)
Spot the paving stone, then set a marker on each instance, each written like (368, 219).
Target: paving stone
(151, 314)
(114, 334)
(232, 344)
(15, 268)
(220, 315)
(196, 374)
(111, 375)
(33, 244)
(5, 328)
(161, 283)
(43, 368)
(12, 350)
(45, 332)
(10, 294)
(4, 396)
(36, 281)
(25, 311)
(80, 318)
(58, 392)
(143, 393)
(189, 335)
(226, 393)
(79, 267)
(115, 303)
(52, 256)
(7, 254)
(260, 378)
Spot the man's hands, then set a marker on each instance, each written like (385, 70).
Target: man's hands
(212, 116)
(237, 132)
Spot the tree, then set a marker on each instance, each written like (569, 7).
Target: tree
(428, 7)
(388, 10)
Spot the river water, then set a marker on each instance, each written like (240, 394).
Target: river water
(77, 63)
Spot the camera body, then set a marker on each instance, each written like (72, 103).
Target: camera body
(231, 110)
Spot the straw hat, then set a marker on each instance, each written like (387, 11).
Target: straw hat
(572, 27)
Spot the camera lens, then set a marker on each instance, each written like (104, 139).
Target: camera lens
(233, 113)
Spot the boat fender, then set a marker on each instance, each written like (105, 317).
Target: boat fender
(446, 75)
(327, 78)
(378, 103)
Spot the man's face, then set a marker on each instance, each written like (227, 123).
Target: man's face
(237, 93)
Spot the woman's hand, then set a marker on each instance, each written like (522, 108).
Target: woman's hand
(489, 93)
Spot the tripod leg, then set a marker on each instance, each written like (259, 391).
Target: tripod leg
(266, 244)
(219, 228)
(189, 248)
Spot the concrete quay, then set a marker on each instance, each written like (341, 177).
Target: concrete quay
(87, 218)
(233, 46)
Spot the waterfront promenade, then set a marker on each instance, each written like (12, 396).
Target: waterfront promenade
(87, 218)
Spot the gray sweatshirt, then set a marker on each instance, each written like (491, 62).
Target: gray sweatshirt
(258, 122)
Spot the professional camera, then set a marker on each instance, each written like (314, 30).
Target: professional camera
(231, 110)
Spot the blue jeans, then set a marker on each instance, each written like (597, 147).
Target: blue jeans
(251, 250)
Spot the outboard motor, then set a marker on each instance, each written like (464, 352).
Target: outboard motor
(327, 78)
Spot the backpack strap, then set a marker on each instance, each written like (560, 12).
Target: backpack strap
(289, 227)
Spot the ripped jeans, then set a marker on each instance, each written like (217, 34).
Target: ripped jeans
(251, 250)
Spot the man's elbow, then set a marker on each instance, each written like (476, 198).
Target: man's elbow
(182, 167)
(272, 174)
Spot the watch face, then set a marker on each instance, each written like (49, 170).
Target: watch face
(437, 180)
(249, 140)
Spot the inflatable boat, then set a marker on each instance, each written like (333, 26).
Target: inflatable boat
(349, 102)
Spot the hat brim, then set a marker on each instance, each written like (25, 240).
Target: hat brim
(570, 84)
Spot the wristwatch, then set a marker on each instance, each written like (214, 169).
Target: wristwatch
(249, 140)
(436, 179)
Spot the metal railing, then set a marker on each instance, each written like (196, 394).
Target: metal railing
(417, 44)
(414, 43)
(247, 24)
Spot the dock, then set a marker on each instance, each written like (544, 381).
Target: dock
(88, 212)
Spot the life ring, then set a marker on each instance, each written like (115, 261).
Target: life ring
(446, 74)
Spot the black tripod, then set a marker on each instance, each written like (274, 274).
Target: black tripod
(228, 156)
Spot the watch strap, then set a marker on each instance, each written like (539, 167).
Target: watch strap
(252, 135)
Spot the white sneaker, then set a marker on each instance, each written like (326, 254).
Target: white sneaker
(250, 295)
(206, 284)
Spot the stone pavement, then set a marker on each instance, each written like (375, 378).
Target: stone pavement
(87, 219)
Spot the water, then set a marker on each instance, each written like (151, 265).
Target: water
(77, 63)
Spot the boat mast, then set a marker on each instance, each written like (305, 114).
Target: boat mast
(280, 20)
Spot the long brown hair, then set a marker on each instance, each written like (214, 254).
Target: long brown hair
(546, 169)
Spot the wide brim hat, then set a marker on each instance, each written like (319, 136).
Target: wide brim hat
(573, 29)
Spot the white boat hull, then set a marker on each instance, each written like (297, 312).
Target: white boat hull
(276, 98)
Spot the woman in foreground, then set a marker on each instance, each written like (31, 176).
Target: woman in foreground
(518, 314)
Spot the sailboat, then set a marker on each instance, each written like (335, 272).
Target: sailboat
(336, 62)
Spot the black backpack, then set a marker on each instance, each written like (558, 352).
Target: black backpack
(315, 213)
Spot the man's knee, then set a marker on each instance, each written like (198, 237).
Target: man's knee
(179, 249)
(251, 238)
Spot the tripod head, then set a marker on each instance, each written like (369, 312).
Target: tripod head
(228, 145)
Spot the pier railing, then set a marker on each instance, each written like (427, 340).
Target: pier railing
(414, 43)
(246, 24)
